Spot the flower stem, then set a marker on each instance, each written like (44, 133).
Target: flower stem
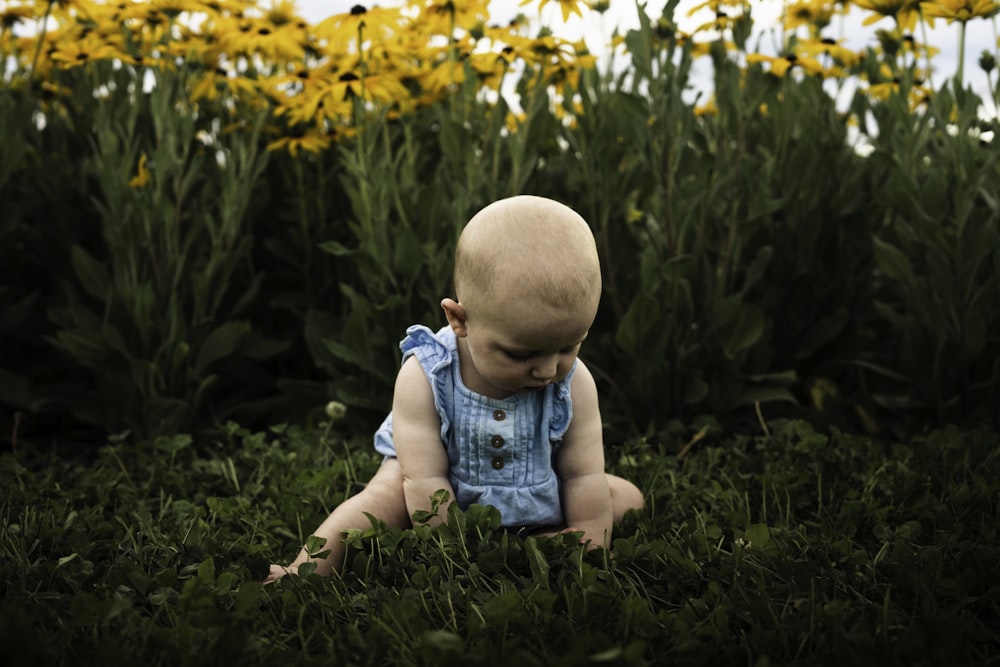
(961, 53)
(41, 38)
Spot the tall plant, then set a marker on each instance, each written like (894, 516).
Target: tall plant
(938, 251)
(156, 302)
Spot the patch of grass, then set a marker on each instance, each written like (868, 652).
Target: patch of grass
(798, 547)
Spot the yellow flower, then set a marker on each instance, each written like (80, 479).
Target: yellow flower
(562, 77)
(174, 8)
(707, 109)
(70, 52)
(440, 16)
(514, 121)
(811, 14)
(780, 65)
(313, 142)
(888, 84)
(11, 16)
(283, 12)
(141, 177)
(699, 49)
(342, 29)
(568, 7)
(247, 36)
(716, 6)
(440, 77)
(961, 10)
(727, 14)
(213, 82)
(905, 12)
(490, 68)
(832, 48)
(384, 87)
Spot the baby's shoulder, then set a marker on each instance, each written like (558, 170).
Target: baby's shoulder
(582, 386)
(413, 391)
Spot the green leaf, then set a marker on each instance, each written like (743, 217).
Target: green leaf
(314, 545)
(247, 597)
(764, 394)
(87, 347)
(360, 358)
(223, 341)
(739, 325)
(92, 274)
(320, 326)
(974, 333)
(422, 516)
(115, 340)
(206, 571)
(820, 333)
(441, 641)
(757, 268)
(640, 320)
(537, 562)
(66, 559)
(337, 249)
(85, 608)
(893, 262)
(503, 608)
(695, 389)
(408, 255)
(758, 535)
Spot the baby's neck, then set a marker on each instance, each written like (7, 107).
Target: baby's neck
(471, 378)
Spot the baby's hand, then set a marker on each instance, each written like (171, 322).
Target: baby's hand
(278, 571)
(562, 533)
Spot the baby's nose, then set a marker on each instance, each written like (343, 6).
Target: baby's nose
(544, 369)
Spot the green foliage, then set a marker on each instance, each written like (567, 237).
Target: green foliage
(752, 257)
(937, 249)
(152, 293)
(793, 547)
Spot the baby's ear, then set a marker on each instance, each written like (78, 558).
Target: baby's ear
(455, 312)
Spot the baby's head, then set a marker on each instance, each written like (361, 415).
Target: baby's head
(528, 248)
(528, 283)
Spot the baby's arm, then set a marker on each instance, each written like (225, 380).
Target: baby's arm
(416, 434)
(580, 465)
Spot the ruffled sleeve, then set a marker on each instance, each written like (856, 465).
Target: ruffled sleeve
(422, 343)
(560, 409)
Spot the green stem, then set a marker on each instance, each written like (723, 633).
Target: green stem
(961, 54)
(927, 53)
(989, 77)
(41, 38)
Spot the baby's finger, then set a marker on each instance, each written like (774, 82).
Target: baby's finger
(276, 572)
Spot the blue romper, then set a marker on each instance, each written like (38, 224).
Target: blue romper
(500, 451)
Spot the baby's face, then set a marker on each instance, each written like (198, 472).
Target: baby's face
(523, 345)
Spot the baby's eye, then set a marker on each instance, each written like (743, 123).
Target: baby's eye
(516, 357)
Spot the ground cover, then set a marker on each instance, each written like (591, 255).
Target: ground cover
(790, 546)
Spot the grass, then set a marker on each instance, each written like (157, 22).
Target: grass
(796, 547)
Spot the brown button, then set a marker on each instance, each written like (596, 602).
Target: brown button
(499, 415)
(496, 441)
(498, 462)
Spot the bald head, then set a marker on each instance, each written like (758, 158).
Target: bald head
(527, 247)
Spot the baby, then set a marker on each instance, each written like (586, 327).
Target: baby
(496, 408)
